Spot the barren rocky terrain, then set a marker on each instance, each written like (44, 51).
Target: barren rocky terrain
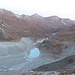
(14, 26)
(53, 36)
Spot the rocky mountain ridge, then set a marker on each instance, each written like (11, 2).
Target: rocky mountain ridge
(14, 26)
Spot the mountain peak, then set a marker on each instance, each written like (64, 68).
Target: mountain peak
(4, 11)
(36, 15)
(52, 18)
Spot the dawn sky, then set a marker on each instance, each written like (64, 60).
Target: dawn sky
(61, 8)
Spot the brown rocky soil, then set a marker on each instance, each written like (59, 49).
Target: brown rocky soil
(14, 26)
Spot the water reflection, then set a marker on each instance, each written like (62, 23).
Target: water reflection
(34, 53)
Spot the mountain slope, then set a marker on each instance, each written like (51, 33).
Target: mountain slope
(14, 26)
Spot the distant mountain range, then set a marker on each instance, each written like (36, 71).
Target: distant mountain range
(14, 26)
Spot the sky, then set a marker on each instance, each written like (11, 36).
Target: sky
(61, 8)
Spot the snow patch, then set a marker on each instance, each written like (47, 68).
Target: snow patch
(63, 22)
(17, 15)
(40, 41)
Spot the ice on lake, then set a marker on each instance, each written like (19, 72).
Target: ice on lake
(34, 53)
